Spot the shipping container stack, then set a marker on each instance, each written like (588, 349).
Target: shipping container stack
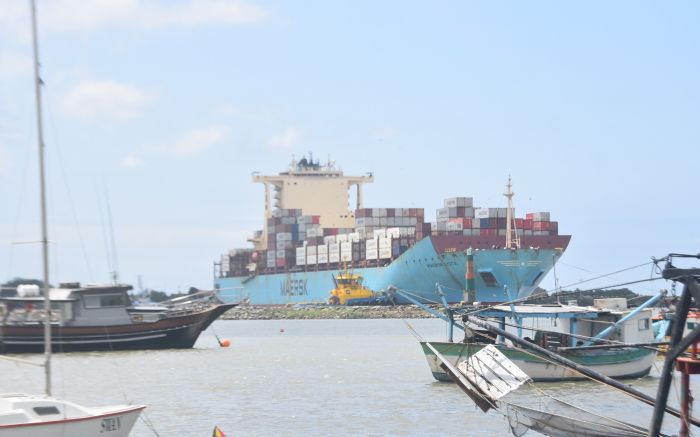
(460, 217)
(287, 231)
(329, 250)
(386, 233)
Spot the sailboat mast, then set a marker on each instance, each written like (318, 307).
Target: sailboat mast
(42, 187)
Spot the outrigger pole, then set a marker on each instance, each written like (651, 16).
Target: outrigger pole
(581, 369)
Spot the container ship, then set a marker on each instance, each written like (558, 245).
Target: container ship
(311, 235)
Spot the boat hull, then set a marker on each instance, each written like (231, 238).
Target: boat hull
(177, 332)
(431, 261)
(112, 424)
(614, 363)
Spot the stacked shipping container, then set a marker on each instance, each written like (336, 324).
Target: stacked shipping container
(298, 241)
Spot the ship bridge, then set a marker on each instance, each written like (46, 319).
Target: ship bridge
(314, 188)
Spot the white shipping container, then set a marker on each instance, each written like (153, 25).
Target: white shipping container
(311, 232)
(371, 254)
(540, 217)
(359, 221)
(301, 256)
(385, 252)
(271, 258)
(345, 257)
(379, 233)
(310, 260)
(393, 232)
(333, 257)
(280, 254)
(384, 243)
(329, 239)
(322, 258)
(310, 251)
(321, 249)
(371, 244)
(481, 213)
(342, 237)
(442, 213)
(354, 237)
(345, 249)
(334, 248)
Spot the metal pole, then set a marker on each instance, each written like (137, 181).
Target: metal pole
(42, 186)
(667, 372)
(568, 363)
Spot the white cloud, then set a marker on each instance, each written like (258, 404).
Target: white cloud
(14, 64)
(80, 15)
(105, 100)
(285, 141)
(131, 161)
(195, 142)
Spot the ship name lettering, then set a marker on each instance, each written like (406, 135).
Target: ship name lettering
(294, 287)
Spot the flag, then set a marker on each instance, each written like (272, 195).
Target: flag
(218, 432)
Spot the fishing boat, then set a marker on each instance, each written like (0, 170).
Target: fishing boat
(567, 329)
(42, 415)
(561, 328)
(102, 318)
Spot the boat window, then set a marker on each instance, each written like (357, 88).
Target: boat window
(691, 325)
(488, 278)
(104, 300)
(642, 324)
(45, 411)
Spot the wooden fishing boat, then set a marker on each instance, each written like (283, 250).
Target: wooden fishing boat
(102, 317)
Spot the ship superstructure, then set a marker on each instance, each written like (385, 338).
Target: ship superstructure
(311, 234)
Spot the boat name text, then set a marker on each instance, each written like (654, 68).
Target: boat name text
(294, 287)
(111, 424)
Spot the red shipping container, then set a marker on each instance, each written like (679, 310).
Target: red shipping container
(315, 219)
(467, 223)
(519, 223)
(527, 225)
(540, 226)
(530, 216)
(280, 262)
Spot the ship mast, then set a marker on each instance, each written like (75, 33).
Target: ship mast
(512, 238)
(44, 231)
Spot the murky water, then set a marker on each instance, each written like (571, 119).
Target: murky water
(300, 377)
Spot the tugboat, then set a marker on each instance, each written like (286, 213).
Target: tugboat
(349, 290)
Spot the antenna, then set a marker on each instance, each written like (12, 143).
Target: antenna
(512, 238)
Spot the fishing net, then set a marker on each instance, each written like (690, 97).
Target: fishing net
(560, 419)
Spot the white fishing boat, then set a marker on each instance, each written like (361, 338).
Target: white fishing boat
(25, 415)
(565, 329)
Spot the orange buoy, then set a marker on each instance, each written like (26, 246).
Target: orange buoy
(225, 342)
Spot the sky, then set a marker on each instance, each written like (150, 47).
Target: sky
(157, 112)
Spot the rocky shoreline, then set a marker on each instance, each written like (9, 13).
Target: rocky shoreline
(251, 312)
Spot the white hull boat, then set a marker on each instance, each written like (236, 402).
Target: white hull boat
(42, 416)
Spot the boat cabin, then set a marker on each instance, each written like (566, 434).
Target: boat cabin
(71, 305)
(553, 326)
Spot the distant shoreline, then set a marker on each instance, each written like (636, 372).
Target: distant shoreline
(310, 312)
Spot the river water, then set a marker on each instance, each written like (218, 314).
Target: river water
(301, 377)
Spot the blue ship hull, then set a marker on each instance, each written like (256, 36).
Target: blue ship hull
(516, 273)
